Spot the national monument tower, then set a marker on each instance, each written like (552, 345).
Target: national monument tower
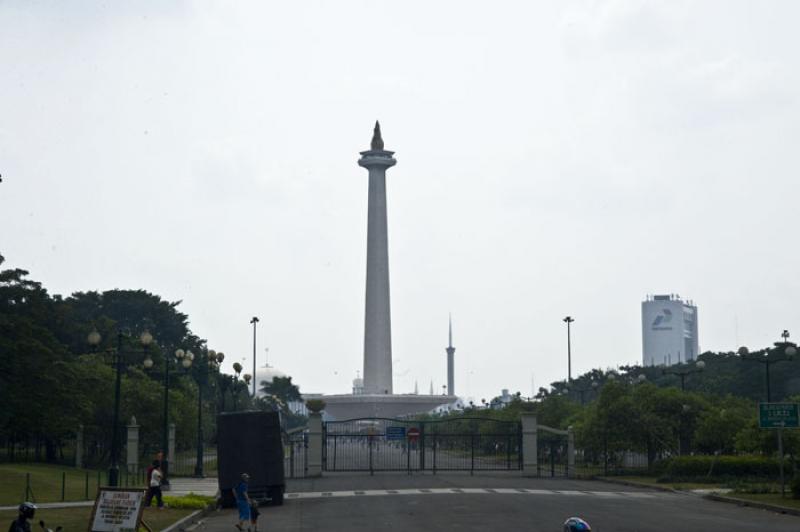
(378, 319)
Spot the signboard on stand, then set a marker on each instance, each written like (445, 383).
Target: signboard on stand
(117, 510)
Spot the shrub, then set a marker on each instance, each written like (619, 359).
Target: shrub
(191, 501)
(315, 405)
(686, 468)
(794, 485)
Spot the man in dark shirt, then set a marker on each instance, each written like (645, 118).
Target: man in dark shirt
(21, 524)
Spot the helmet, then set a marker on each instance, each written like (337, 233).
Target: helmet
(27, 509)
(245, 477)
(576, 524)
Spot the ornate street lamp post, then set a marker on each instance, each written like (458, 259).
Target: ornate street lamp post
(213, 360)
(772, 356)
(94, 340)
(583, 389)
(183, 358)
(683, 373)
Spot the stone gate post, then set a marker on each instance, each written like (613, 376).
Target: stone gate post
(133, 446)
(529, 445)
(570, 452)
(315, 444)
(171, 453)
(79, 447)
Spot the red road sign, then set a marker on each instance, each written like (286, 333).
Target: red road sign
(413, 434)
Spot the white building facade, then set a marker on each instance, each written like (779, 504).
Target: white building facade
(669, 331)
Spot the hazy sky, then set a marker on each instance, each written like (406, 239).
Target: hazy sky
(554, 158)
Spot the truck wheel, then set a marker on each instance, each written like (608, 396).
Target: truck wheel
(276, 496)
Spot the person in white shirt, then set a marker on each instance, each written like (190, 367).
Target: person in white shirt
(154, 490)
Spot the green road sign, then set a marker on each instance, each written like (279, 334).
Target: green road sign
(778, 415)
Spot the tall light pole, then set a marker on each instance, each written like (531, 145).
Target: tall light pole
(254, 321)
(568, 320)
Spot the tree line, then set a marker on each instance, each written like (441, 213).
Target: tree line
(52, 380)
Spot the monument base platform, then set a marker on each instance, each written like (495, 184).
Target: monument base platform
(349, 406)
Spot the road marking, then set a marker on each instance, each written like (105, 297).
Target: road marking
(469, 491)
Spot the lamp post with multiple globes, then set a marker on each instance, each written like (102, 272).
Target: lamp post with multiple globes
(94, 339)
(183, 359)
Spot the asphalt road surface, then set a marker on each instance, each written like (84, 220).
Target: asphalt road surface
(487, 503)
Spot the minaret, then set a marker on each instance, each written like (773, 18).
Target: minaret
(451, 355)
(377, 322)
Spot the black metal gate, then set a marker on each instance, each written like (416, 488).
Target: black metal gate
(461, 444)
(295, 455)
(552, 453)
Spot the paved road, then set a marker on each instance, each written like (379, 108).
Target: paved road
(497, 502)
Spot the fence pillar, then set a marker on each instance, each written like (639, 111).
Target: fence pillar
(315, 444)
(79, 447)
(530, 446)
(171, 453)
(570, 452)
(133, 445)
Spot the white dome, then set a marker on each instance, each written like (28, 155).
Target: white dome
(267, 374)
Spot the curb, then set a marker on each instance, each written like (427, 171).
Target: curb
(638, 485)
(188, 521)
(753, 504)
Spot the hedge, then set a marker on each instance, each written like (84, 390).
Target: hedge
(683, 468)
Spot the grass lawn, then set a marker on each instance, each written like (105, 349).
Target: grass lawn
(46, 481)
(78, 518)
(769, 498)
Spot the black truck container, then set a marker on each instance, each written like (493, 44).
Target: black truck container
(250, 442)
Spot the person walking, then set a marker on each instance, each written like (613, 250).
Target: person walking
(242, 502)
(154, 487)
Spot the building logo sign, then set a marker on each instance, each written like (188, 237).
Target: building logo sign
(661, 323)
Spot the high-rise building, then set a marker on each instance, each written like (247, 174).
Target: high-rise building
(669, 331)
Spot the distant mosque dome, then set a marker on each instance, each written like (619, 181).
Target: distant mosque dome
(266, 374)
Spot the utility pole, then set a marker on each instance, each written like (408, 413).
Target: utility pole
(254, 321)
(568, 320)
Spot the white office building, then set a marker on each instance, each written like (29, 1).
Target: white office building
(669, 331)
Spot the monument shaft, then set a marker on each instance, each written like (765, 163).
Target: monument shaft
(377, 322)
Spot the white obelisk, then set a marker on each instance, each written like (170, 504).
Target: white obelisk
(378, 321)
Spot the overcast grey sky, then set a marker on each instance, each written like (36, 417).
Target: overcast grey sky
(554, 158)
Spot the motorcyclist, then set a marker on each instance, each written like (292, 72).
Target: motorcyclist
(21, 524)
(576, 524)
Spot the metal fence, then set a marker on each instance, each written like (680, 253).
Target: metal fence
(295, 455)
(382, 444)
